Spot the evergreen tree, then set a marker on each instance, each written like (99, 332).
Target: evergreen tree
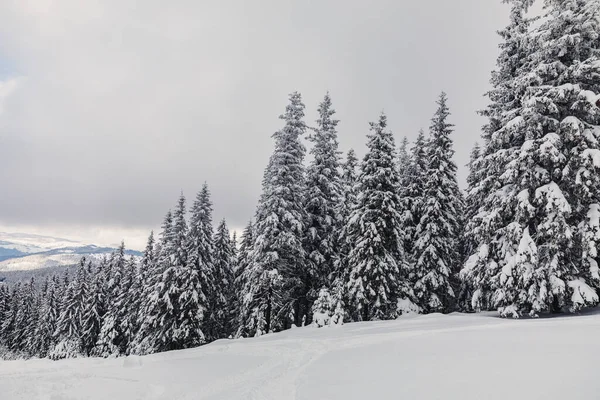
(438, 233)
(224, 258)
(413, 195)
(200, 250)
(68, 331)
(538, 253)
(403, 163)
(110, 340)
(154, 306)
(241, 274)
(93, 310)
(275, 291)
(323, 196)
(378, 268)
(178, 305)
(43, 339)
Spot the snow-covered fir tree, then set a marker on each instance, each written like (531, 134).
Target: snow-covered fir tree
(47, 322)
(378, 268)
(438, 234)
(412, 195)
(538, 246)
(224, 259)
(323, 196)
(241, 275)
(200, 249)
(93, 310)
(275, 291)
(111, 338)
(179, 304)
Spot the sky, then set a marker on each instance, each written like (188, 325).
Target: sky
(109, 109)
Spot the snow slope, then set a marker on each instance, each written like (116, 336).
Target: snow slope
(426, 357)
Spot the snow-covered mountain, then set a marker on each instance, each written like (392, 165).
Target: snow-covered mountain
(22, 251)
(458, 356)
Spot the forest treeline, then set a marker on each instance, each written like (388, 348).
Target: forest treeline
(342, 240)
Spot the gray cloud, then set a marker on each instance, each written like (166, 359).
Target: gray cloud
(121, 104)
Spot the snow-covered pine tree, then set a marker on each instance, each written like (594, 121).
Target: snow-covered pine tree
(540, 254)
(378, 269)
(473, 199)
(154, 307)
(349, 188)
(126, 303)
(10, 319)
(241, 275)
(27, 316)
(492, 226)
(438, 234)
(68, 333)
(469, 241)
(178, 305)
(93, 310)
(47, 322)
(224, 258)
(274, 293)
(200, 250)
(412, 196)
(111, 334)
(348, 200)
(323, 308)
(403, 162)
(323, 196)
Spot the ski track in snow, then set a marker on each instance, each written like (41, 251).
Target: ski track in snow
(310, 363)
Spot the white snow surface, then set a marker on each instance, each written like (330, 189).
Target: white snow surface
(457, 356)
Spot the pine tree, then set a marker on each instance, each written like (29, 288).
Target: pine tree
(177, 307)
(378, 267)
(224, 258)
(126, 304)
(154, 306)
(200, 249)
(492, 227)
(68, 334)
(403, 163)
(275, 290)
(93, 310)
(438, 233)
(111, 335)
(324, 193)
(538, 253)
(241, 275)
(413, 195)
(47, 322)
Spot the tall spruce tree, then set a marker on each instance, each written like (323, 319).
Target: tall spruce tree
(275, 293)
(538, 253)
(492, 226)
(323, 196)
(224, 258)
(378, 268)
(413, 195)
(241, 275)
(180, 304)
(438, 232)
(111, 339)
(200, 249)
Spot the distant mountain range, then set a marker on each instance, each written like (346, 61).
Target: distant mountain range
(24, 252)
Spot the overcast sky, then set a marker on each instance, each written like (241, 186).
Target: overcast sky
(108, 109)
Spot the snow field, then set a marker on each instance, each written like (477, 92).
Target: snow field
(425, 357)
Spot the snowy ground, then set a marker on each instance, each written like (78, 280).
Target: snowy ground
(425, 357)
